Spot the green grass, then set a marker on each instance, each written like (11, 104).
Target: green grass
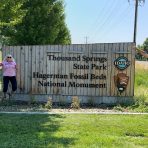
(79, 131)
(141, 91)
(141, 84)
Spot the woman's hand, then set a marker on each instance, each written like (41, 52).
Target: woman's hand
(1, 64)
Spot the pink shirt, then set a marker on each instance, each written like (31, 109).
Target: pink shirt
(9, 68)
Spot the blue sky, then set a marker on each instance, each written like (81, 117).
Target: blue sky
(105, 21)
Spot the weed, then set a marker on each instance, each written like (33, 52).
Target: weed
(118, 108)
(75, 103)
(48, 105)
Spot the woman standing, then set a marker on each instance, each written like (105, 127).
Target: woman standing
(9, 74)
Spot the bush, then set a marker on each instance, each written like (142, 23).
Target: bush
(75, 103)
(48, 105)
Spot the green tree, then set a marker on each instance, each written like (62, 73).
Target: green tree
(138, 55)
(145, 45)
(40, 22)
(10, 15)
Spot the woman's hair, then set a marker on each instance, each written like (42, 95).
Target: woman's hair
(9, 55)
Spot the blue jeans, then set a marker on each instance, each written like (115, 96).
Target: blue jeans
(6, 80)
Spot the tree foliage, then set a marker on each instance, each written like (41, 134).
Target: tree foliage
(10, 15)
(31, 22)
(144, 47)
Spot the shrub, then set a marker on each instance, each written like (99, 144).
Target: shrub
(75, 102)
(48, 105)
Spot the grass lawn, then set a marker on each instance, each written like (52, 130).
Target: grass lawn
(80, 131)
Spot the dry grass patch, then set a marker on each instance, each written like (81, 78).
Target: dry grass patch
(141, 65)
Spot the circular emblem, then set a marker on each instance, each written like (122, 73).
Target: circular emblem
(121, 63)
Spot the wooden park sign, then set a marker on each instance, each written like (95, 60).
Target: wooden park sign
(81, 70)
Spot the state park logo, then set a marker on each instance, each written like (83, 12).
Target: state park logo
(121, 63)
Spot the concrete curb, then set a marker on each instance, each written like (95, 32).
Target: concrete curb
(50, 113)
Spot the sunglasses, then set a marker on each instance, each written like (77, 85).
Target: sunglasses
(9, 57)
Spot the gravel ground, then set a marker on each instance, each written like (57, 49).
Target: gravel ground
(39, 109)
